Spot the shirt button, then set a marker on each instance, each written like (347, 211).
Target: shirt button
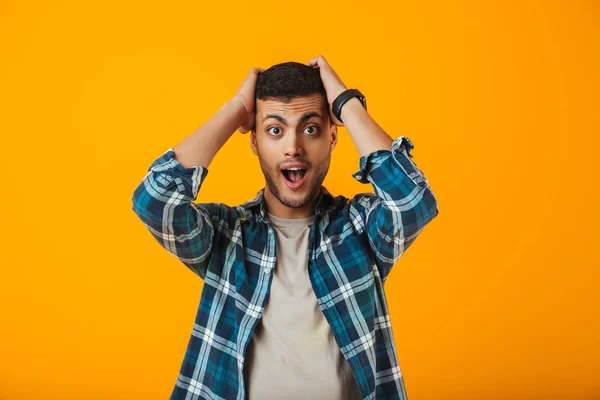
(267, 270)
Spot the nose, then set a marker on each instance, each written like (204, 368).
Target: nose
(293, 145)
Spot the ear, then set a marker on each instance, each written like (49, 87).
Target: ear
(334, 135)
(253, 144)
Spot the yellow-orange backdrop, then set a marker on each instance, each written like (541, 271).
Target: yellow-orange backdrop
(498, 299)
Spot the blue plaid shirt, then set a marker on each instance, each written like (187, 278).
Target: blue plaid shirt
(353, 245)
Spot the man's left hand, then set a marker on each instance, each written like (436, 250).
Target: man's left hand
(331, 81)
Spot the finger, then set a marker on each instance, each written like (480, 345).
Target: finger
(314, 62)
(248, 125)
(252, 76)
(245, 128)
(254, 73)
(319, 61)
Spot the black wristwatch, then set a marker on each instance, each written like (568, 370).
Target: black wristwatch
(336, 106)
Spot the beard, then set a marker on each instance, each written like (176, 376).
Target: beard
(272, 176)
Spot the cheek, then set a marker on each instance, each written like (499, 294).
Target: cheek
(269, 152)
(320, 154)
(267, 161)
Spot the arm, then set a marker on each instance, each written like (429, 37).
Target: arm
(366, 134)
(403, 203)
(200, 147)
(164, 199)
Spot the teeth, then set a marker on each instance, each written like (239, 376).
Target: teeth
(294, 169)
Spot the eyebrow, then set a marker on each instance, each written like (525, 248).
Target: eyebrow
(303, 118)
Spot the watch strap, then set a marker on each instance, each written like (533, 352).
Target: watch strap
(342, 98)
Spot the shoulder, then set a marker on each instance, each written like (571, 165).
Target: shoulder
(355, 208)
(219, 213)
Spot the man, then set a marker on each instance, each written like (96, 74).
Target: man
(293, 305)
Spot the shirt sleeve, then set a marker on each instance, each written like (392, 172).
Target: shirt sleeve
(163, 201)
(402, 205)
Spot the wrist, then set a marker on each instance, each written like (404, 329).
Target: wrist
(353, 105)
(335, 93)
(238, 105)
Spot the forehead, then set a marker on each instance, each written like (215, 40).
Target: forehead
(294, 109)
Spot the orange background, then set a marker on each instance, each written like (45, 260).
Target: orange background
(498, 299)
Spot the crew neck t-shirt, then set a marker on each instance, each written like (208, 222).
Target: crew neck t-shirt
(292, 353)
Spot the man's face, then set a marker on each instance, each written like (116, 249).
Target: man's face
(296, 135)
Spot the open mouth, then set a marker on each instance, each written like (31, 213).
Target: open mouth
(294, 177)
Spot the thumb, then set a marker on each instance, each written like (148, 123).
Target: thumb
(247, 125)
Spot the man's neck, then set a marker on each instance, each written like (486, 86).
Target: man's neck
(276, 208)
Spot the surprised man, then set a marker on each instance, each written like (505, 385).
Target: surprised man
(293, 304)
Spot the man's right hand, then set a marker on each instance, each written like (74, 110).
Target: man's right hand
(244, 99)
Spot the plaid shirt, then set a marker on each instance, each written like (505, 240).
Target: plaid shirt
(353, 245)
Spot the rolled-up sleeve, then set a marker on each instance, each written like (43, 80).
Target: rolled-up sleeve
(163, 201)
(402, 205)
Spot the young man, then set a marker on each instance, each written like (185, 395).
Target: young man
(293, 305)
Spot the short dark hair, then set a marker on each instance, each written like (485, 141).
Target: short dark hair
(286, 81)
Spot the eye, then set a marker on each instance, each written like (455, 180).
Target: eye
(274, 127)
(315, 129)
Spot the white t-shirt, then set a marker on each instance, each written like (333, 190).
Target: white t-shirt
(292, 353)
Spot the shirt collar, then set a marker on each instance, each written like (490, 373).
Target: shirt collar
(257, 206)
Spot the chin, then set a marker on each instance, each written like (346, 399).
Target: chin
(293, 199)
(296, 201)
